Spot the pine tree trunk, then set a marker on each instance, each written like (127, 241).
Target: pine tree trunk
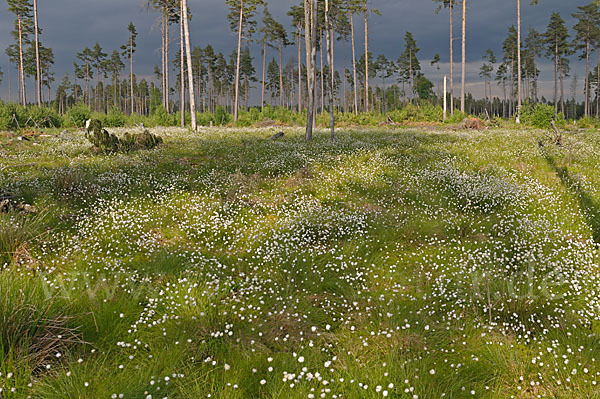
(587, 77)
(345, 77)
(322, 74)
(366, 57)
(512, 84)
(464, 57)
(410, 82)
(163, 47)
(188, 51)
(167, 88)
(237, 68)
(519, 95)
(262, 101)
(354, 66)
(311, 58)
(556, 77)
(37, 55)
(598, 86)
(299, 69)
(280, 73)
(181, 69)
(22, 64)
(131, 69)
(451, 58)
(329, 39)
(562, 88)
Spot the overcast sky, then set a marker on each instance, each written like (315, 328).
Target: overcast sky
(71, 25)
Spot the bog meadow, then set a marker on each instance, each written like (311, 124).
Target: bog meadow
(333, 227)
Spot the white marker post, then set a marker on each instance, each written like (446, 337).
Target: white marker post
(445, 100)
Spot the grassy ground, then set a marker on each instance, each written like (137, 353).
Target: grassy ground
(393, 263)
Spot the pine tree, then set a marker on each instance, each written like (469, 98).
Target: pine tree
(37, 32)
(241, 13)
(46, 60)
(115, 65)
(557, 47)
(408, 64)
(297, 14)
(87, 57)
(128, 50)
(247, 72)
(23, 29)
(533, 50)
(588, 19)
(510, 49)
(486, 70)
(62, 97)
(98, 62)
(385, 69)
(169, 13)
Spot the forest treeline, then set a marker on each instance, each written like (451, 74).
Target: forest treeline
(104, 81)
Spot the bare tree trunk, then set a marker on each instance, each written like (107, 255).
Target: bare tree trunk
(162, 78)
(410, 82)
(237, 68)
(451, 58)
(366, 57)
(345, 77)
(280, 74)
(181, 69)
(167, 88)
(354, 66)
(131, 69)
(519, 95)
(464, 56)
(598, 86)
(299, 69)
(322, 75)
(188, 50)
(587, 77)
(262, 101)
(37, 55)
(562, 88)
(310, 18)
(329, 39)
(22, 66)
(556, 77)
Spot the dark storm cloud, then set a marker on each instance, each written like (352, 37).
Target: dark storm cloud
(70, 25)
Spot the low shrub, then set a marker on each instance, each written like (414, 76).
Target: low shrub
(588, 122)
(77, 115)
(14, 117)
(540, 116)
(161, 117)
(204, 118)
(115, 118)
(221, 116)
(42, 117)
(458, 117)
